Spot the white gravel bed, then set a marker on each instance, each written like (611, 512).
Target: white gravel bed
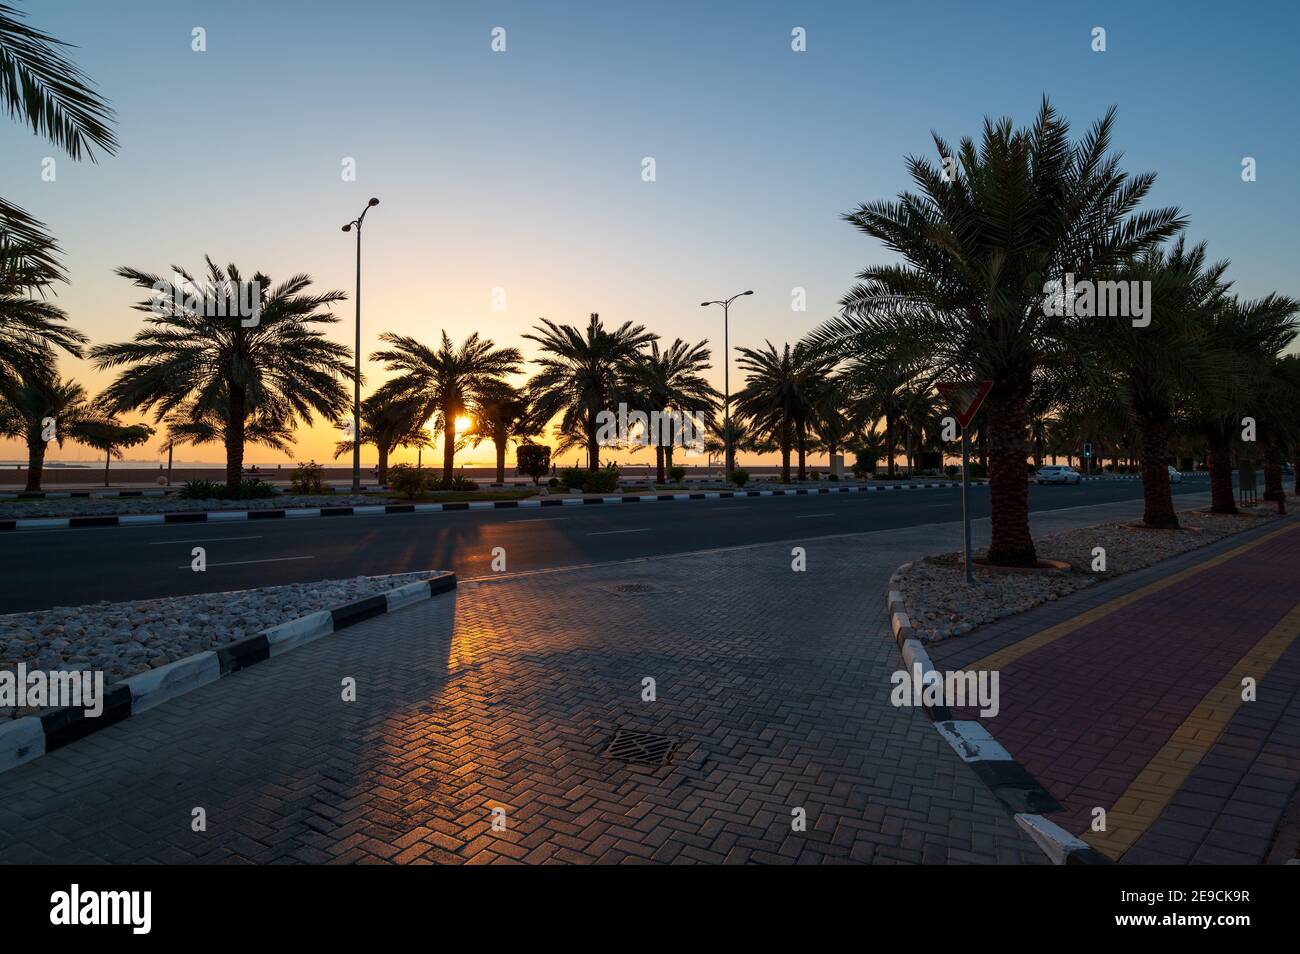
(123, 639)
(940, 605)
(109, 506)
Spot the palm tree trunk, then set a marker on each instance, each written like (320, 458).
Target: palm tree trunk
(889, 444)
(383, 464)
(1220, 455)
(802, 440)
(660, 470)
(448, 445)
(1157, 493)
(785, 453)
(235, 438)
(500, 440)
(108, 456)
(1273, 469)
(1006, 427)
(35, 463)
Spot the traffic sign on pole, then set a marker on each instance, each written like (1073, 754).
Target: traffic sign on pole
(964, 399)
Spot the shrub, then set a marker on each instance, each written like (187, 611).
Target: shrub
(459, 482)
(978, 471)
(833, 477)
(533, 460)
(572, 477)
(250, 488)
(553, 483)
(953, 471)
(816, 475)
(677, 474)
(864, 464)
(410, 481)
(740, 477)
(201, 490)
(308, 478)
(601, 481)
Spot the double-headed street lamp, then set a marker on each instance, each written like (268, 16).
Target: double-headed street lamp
(728, 461)
(356, 381)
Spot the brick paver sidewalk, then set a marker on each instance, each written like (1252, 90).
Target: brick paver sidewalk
(1134, 705)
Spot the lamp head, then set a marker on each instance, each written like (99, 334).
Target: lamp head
(374, 202)
(750, 292)
(348, 227)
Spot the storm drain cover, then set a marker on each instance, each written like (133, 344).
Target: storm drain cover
(641, 747)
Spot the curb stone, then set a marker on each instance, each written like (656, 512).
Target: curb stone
(371, 510)
(1010, 782)
(28, 738)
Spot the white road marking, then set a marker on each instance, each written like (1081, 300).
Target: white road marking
(245, 562)
(160, 543)
(536, 519)
(805, 516)
(719, 509)
(603, 533)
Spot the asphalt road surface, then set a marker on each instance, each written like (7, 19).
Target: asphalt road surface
(41, 569)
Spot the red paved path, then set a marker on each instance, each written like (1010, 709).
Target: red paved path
(1086, 713)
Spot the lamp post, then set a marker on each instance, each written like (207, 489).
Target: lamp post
(356, 379)
(727, 460)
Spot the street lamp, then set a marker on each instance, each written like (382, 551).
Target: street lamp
(356, 380)
(728, 462)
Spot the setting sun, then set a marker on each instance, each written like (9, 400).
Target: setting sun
(464, 424)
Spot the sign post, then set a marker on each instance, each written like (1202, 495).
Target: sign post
(964, 399)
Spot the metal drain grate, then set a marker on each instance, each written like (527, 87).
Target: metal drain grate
(634, 589)
(641, 747)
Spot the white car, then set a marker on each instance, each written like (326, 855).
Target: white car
(1057, 474)
(1175, 477)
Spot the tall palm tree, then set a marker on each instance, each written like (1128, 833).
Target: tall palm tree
(779, 391)
(502, 414)
(39, 408)
(43, 89)
(1251, 334)
(446, 383)
(214, 363)
(833, 420)
(584, 371)
(1278, 397)
(1158, 366)
(1020, 209)
(673, 380)
(269, 425)
(386, 423)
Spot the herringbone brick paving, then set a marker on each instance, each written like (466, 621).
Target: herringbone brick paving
(774, 683)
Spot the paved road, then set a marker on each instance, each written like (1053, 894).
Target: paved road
(72, 567)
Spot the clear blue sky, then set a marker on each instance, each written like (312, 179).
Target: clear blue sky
(522, 169)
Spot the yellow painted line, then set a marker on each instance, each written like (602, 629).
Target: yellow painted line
(1149, 793)
(1009, 654)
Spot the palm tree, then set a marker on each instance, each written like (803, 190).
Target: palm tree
(386, 423)
(46, 91)
(40, 408)
(282, 366)
(1251, 334)
(501, 415)
(584, 372)
(673, 380)
(1020, 209)
(111, 436)
(1278, 396)
(1158, 366)
(779, 390)
(445, 384)
(268, 425)
(833, 421)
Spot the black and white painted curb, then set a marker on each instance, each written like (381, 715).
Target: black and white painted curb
(290, 513)
(1011, 783)
(28, 738)
(81, 494)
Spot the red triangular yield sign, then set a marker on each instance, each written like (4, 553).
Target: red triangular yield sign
(964, 398)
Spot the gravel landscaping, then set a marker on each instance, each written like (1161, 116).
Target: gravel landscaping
(941, 606)
(123, 639)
